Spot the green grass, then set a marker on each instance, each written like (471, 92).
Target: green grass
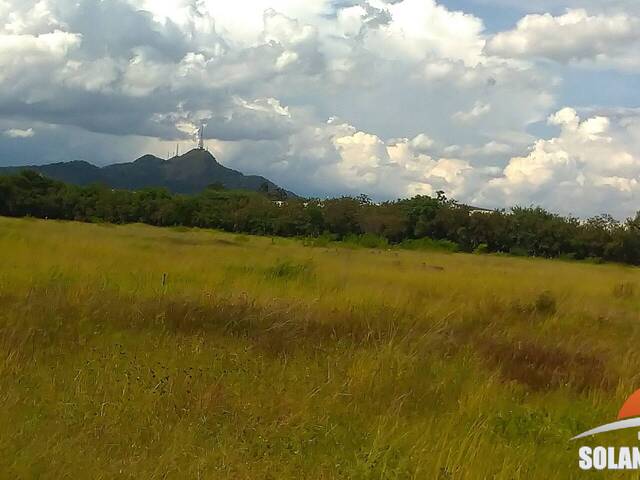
(262, 358)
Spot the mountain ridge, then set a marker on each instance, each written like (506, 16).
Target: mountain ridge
(186, 174)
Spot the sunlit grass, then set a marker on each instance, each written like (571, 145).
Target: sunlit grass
(263, 358)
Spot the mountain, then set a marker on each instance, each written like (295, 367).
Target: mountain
(189, 173)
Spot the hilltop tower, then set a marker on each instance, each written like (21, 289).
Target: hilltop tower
(201, 137)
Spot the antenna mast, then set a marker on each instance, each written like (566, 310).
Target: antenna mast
(201, 138)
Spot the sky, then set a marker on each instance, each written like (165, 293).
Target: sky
(496, 102)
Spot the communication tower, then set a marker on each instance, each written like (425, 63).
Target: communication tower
(201, 138)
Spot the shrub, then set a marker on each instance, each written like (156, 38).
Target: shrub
(367, 240)
(518, 252)
(545, 304)
(288, 270)
(430, 244)
(481, 249)
(594, 260)
(323, 240)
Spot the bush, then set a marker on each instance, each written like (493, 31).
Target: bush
(367, 240)
(545, 304)
(323, 240)
(288, 270)
(481, 249)
(594, 260)
(518, 252)
(430, 244)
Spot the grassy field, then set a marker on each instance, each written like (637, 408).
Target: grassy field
(137, 352)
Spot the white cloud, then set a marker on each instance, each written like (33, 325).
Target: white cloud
(479, 110)
(575, 36)
(17, 49)
(361, 157)
(592, 165)
(30, 17)
(19, 133)
(242, 22)
(421, 29)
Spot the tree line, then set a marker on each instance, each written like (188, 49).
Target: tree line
(412, 223)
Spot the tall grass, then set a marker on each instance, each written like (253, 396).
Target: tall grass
(256, 358)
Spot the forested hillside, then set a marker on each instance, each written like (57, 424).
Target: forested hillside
(189, 173)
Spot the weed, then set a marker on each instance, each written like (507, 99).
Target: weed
(289, 270)
(624, 290)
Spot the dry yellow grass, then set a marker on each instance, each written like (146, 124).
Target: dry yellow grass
(262, 358)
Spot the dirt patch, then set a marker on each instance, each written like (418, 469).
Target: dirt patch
(224, 243)
(546, 367)
(199, 242)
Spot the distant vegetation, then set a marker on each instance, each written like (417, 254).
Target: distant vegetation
(417, 223)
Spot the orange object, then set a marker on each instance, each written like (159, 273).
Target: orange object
(631, 407)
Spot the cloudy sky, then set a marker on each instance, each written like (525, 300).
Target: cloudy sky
(496, 102)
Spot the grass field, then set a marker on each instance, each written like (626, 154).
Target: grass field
(137, 352)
